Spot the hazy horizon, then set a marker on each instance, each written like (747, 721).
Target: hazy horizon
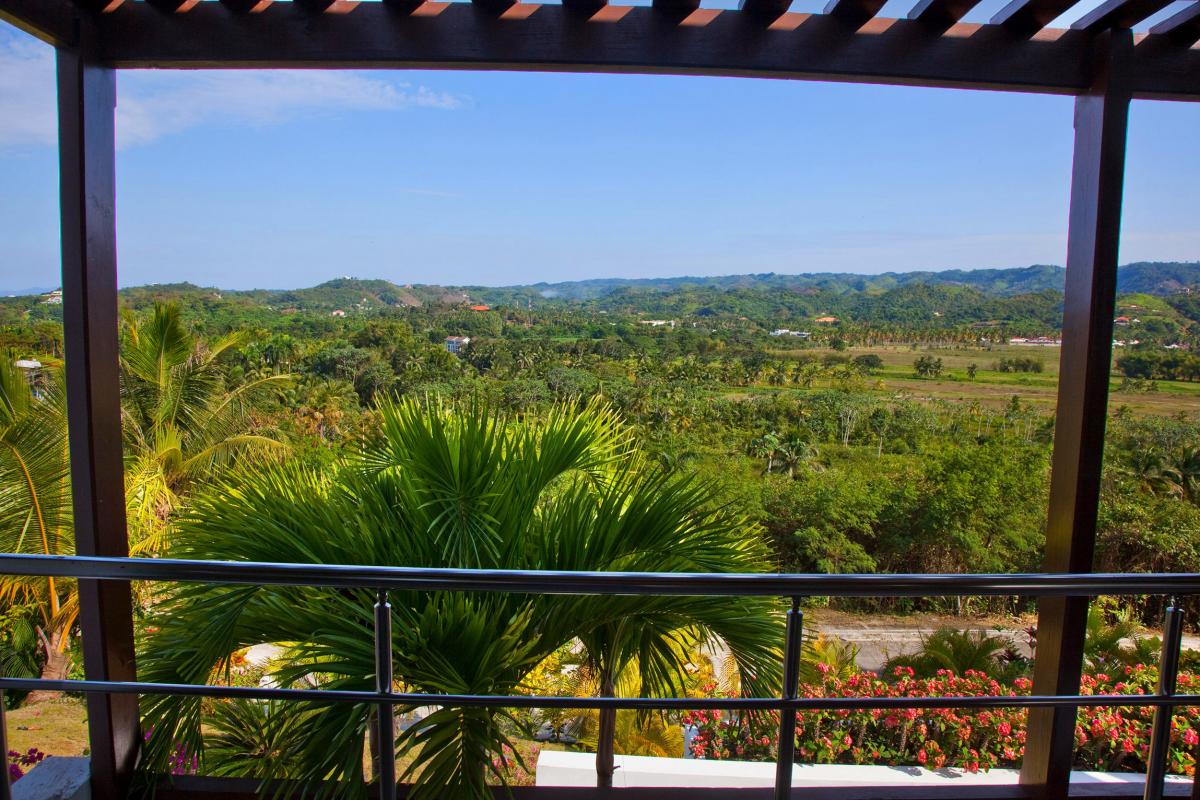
(28, 291)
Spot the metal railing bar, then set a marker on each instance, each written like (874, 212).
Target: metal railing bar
(620, 703)
(609, 583)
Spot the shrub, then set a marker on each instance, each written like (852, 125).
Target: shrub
(1107, 738)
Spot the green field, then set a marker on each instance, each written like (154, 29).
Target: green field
(994, 388)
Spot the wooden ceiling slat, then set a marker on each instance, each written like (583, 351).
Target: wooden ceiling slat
(494, 6)
(941, 14)
(1118, 14)
(770, 9)
(173, 6)
(245, 6)
(676, 8)
(584, 6)
(1027, 17)
(322, 6)
(1182, 27)
(853, 12)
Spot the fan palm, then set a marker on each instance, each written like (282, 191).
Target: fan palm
(454, 487)
(180, 418)
(35, 505)
(960, 652)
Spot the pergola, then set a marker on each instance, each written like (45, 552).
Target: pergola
(1098, 60)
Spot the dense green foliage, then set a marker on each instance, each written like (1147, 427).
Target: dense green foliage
(331, 424)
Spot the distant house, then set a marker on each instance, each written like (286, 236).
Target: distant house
(658, 323)
(53, 298)
(787, 332)
(337, 313)
(1040, 341)
(455, 344)
(481, 307)
(1121, 321)
(825, 320)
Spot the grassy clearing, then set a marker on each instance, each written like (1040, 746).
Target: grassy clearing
(57, 727)
(990, 387)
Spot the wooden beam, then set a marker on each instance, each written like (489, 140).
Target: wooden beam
(1118, 14)
(86, 106)
(1093, 235)
(1182, 27)
(1027, 17)
(941, 15)
(494, 6)
(630, 40)
(675, 8)
(173, 6)
(245, 6)
(853, 12)
(53, 21)
(767, 9)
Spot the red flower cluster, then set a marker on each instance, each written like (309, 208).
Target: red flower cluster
(969, 739)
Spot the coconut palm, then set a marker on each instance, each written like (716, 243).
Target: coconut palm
(180, 418)
(35, 505)
(453, 487)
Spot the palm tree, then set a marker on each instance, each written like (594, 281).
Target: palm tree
(1186, 469)
(181, 418)
(961, 651)
(35, 506)
(453, 487)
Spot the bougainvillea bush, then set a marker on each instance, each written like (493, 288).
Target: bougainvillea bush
(1108, 738)
(18, 762)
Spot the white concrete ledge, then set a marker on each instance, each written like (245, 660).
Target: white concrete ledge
(56, 779)
(559, 768)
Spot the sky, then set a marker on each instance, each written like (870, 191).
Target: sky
(261, 179)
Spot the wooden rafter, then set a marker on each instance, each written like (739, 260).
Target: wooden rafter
(1119, 14)
(853, 12)
(52, 21)
(1027, 17)
(1182, 27)
(770, 9)
(632, 40)
(941, 15)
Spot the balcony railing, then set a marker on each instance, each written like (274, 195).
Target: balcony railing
(794, 587)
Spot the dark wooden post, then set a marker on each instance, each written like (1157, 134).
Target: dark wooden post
(1097, 177)
(86, 105)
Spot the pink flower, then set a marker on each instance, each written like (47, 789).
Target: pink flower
(922, 756)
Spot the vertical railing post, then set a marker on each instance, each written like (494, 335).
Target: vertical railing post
(385, 715)
(1093, 237)
(1160, 731)
(787, 716)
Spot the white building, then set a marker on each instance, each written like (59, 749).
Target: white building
(455, 344)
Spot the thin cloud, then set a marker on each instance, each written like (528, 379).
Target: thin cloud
(154, 104)
(27, 91)
(151, 105)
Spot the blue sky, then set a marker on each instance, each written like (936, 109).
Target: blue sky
(284, 179)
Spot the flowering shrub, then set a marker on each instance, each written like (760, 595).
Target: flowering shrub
(17, 762)
(1108, 738)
